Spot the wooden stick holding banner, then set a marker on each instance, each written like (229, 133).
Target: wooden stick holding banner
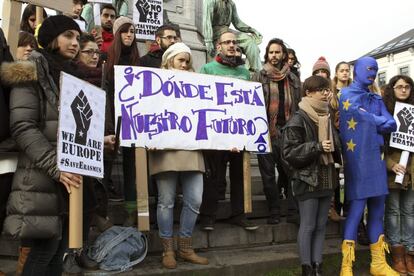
(247, 183)
(76, 217)
(142, 189)
(11, 23)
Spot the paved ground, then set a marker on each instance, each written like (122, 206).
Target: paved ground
(273, 260)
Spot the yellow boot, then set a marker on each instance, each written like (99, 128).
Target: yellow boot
(348, 256)
(379, 266)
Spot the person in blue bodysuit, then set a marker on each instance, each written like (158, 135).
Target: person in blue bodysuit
(363, 119)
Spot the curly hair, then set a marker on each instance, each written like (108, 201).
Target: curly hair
(389, 95)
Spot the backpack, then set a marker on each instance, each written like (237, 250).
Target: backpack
(119, 248)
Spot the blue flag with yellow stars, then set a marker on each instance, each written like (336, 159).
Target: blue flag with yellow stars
(363, 118)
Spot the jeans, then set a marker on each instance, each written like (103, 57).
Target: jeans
(399, 218)
(311, 235)
(192, 188)
(46, 255)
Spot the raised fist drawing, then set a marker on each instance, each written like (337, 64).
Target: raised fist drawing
(143, 8)
(406, 118)
(82, 113)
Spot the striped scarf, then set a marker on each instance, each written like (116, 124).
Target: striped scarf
(275, 75)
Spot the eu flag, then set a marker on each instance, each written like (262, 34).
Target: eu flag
(363, 119)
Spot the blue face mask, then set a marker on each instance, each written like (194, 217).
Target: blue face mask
(365, 69)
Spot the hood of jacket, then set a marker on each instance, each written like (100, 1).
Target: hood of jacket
(13, 73)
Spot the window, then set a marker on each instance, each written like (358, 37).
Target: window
(382, 80)
(404, 70)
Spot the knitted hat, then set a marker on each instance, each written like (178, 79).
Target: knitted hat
(121, 21)
(321, 63)
(53, 26)
(174, 50)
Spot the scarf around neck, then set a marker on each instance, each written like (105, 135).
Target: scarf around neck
(276, 75)
(229, 61)
(318, 112)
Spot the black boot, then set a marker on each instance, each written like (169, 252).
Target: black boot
(306, 270)
(70, 264)
(317, 269)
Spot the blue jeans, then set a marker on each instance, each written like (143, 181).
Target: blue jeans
(399, 218)
(192, 187)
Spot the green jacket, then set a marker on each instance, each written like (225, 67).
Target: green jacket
(218, 69)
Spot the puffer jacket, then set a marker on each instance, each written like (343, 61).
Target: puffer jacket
(37, 198)
(301, 150)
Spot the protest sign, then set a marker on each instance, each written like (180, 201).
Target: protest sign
(170, 109)
(148, 17)
(403, 138)
(81, 127)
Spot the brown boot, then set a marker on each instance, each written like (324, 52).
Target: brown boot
(398, 259)
(409, 262)
(168, 256)
(186, 252)
(334, 216)
(23, 253)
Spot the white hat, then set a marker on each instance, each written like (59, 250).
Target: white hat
(121, 21)
(174, 50)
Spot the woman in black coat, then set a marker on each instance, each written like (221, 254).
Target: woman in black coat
(311, 147)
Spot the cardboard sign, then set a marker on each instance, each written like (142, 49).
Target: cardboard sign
(148, 17)
(81, 127)
(403, 138)
(170, 109)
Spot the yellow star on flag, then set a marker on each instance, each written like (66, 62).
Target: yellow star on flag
(350, 145)
(352, 123)
(346, 104)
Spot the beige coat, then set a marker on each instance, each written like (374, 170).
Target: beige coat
(393, 157)
(175, 160)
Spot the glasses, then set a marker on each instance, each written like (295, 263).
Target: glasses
(170, 37)
(401, 87)
(228, 42)
(91, 52)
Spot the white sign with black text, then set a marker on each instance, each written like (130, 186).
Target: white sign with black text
(81, 127)
(148, 17)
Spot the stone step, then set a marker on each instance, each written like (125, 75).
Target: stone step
(260, 209)
(260, 260)
(224, 236)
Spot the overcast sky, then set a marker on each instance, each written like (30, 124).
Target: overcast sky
(337, 29)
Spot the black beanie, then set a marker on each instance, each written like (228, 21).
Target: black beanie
(53, 26)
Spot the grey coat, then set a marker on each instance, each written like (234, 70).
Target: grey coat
(37, 197)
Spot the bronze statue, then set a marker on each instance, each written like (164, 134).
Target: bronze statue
(217, 17)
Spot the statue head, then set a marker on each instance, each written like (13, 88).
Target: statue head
(365, 71)
(227, 44)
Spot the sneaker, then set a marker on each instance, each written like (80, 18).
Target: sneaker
(244, 222)
(273, 219)
(70, 264)
(207, 223)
